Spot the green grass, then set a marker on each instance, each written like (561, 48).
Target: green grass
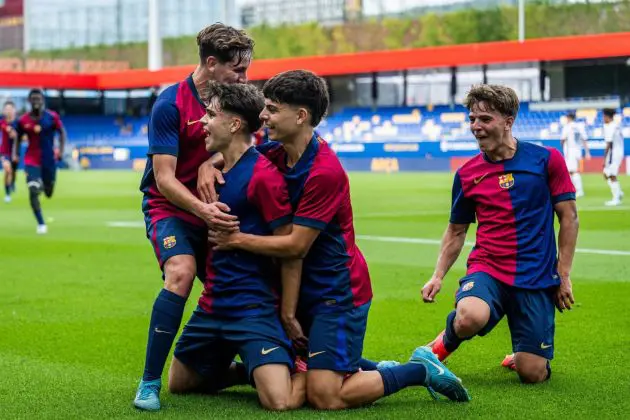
(75, 305)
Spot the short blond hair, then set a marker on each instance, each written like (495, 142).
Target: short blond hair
(498, 98)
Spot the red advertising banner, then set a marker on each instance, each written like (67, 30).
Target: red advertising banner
(11, 24)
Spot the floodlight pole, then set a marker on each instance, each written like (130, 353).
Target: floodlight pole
(521, 20)
(155, 37)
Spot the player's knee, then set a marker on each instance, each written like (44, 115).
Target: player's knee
(179, 275)
(469, 322)
(532, 372)
(180, 379)
(275, 402)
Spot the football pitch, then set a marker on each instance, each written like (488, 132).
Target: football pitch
(75, 307)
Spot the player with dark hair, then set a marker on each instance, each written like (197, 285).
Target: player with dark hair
(512, 189)
(574, 138)
(237, 311)
(176, 219)
(40, 126)
(335, 293)
(7, 137)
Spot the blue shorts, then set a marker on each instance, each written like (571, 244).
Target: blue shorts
(530, 313)
(173, 236)
(209, 343)
(43, 178)
(335, 339)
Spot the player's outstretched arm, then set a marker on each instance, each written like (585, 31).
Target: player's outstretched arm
(452, 244)
(567, 240)
(294, 245)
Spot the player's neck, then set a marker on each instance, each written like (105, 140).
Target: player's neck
(200, 77)
(506, 150)
(296, 147)
(234, 152)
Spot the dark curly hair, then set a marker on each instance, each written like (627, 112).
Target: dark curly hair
(244, 100)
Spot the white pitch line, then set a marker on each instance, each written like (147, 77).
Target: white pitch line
(400, 240)
(423, 241)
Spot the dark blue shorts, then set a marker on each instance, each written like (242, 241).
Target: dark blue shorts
(530, 313)
(43, 178)
(209, 343)
(173, 236)
(335, 339)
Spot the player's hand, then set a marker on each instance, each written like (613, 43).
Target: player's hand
(15, 159)
(294, 331)
(431, 289)
(222, 240)
(12, 133)
(208, 175)
(217, 218)
(564, 295)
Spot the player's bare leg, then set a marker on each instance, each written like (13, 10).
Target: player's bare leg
(330, 390)
(184, 380)
(531, 368)
(278, 390)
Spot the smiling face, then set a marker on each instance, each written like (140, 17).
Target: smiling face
(282, 121)
(489, 126)
(37, 102)
(8, 111)
(219, 127)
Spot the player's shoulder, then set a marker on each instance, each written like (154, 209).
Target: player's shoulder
(24, 117)
(51, 113)
(169, 94)
(471, 166)
(326, 160)
(263, 165)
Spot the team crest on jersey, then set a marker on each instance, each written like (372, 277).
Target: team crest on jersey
(169, 242)
(506, 181)
(468, 286)
(37, 128)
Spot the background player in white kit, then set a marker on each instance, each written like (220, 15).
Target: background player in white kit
(573, 138)
(613, 156)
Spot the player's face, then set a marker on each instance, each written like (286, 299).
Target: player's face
(37, 102)
(9, 112)
(234, 71)
(216, 124)
(281, 120)
(489, 127)
(607, 119)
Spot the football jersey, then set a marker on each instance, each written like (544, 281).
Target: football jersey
(175, 129)
(512, 202)
(240, 283)
(335, 275)
(41, 137)
(574, 134)
(613, 136)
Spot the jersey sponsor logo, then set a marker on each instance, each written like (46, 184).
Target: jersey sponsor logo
(506, 181)
(317, 353)
(468, 286)
(265, 351)
(169, 242)
(478, 180)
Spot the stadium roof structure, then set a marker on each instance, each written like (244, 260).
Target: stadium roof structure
(545, 49)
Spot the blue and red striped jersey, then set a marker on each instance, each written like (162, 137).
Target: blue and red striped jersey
(175, 129)
(335, 274)
(239, 283)
(512, 201)
(6, 142)
(41, 137)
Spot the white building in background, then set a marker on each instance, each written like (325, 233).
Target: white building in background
(58, 24)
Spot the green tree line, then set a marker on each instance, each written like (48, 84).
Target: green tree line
(543, 19)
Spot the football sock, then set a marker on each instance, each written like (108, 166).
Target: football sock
(451, 340)
(398, 377)
(165, 320)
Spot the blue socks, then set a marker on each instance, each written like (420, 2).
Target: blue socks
(451, 340)
(39, 217)
(365, 364)
(165, 321)
(399, 377)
